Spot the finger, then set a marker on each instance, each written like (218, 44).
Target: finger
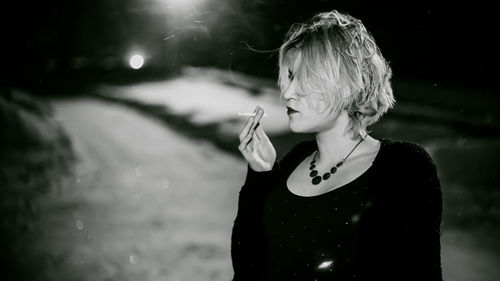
(246, 128)
(259, 132)
(254, 148)
(246, 146)
(246, 140)
(258, 116)
(257, 128)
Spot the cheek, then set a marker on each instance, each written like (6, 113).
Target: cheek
(318, 106)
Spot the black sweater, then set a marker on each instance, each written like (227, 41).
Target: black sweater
(398, 233)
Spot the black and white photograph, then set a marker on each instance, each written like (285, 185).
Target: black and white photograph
(249, 140)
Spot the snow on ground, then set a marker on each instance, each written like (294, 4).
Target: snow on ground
(207, 101)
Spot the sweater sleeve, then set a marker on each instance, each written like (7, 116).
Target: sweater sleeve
(417, 219)
(248, 243)
(248, 237)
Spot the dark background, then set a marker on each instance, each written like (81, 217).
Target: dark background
(433, 41)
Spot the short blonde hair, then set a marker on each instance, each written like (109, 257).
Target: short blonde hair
(337, 61)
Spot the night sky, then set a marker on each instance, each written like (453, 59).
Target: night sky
(426, 40)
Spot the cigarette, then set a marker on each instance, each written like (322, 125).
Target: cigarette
(249, 114)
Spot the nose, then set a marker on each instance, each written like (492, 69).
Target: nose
(290, 91)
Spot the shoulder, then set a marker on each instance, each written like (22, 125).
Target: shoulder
(409, 164)
(410, 182)
(407, 154)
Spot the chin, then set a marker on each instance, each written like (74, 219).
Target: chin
(292, 127)
(297, 128)
(294, 130)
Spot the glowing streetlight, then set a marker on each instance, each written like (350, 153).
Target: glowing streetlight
(136, 61)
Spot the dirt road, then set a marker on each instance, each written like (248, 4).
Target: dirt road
(145, 204)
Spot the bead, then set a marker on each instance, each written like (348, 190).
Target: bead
(316, 180)
(314, 173)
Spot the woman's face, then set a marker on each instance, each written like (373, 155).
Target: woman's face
(307, 113)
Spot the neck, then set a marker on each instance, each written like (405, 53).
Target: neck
(334, 144)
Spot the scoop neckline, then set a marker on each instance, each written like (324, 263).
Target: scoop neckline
(383, 142)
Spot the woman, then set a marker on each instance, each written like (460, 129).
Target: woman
(345, 206)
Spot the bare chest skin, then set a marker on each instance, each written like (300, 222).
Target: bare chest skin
(299, 181)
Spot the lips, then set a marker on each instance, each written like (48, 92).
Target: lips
(290, 110)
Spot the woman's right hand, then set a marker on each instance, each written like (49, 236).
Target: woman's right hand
(255, 145)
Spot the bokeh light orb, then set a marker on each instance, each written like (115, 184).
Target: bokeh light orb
(136, 61)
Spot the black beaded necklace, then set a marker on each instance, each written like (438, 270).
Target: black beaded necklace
(316, 179)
